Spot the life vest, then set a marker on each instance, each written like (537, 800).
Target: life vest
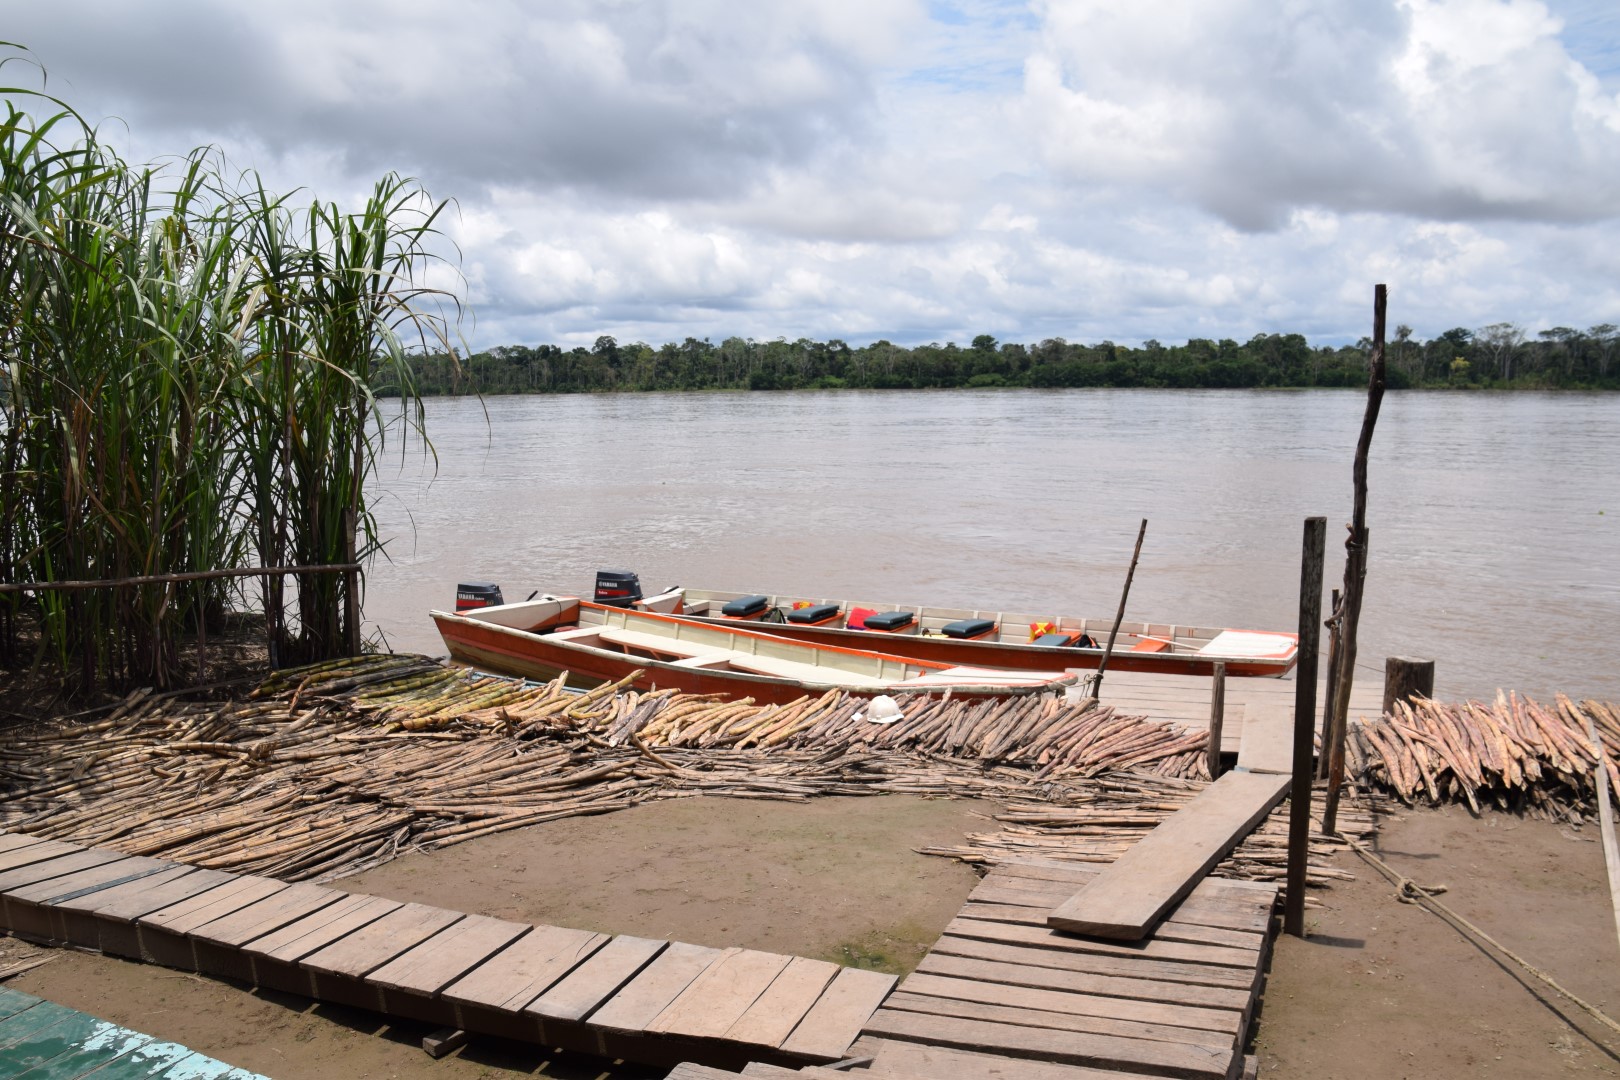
(1045, 626)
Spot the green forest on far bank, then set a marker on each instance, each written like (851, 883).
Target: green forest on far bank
(1500, 356)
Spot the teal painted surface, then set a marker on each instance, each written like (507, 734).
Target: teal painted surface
(40, 1040)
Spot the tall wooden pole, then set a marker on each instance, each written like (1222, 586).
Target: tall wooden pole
(1299, 799)
(1355, 570)
(1096, 687)
(1327, 706)
(1217, 718)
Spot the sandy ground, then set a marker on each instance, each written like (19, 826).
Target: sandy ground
(1380, 989)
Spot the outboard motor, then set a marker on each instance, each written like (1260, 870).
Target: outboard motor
(617, 588)
(471, 595)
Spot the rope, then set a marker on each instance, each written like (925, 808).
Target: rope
(1408, 891)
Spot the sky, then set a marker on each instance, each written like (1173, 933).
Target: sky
(915, 170)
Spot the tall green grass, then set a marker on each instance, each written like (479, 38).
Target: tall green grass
(188, 365)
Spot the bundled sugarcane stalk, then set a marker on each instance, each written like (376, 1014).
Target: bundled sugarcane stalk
(1512, 754)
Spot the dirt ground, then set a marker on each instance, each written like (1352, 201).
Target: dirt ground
(1379, 989)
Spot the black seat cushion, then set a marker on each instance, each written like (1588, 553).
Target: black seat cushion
(746, 605)
(969, 628)
(889, 620)
(814, 613)
(1054, 641)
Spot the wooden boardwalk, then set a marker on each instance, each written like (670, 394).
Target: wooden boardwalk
(656, 1002)
(40, 1040)
(1183, 700)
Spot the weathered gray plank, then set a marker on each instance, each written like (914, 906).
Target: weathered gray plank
(1224, 1022)
(368, 947)
(1214, 997)
(1133, 893)
(916, 1061)
(635, 1006)
(268, 915)
(319, 929)
(448, 955)
(1152, 948)
(838, 1015)
(577, 994)
(718, 998)
(775, 1013)
(129, 901)
(1130, 967)
(907, 1001)
(194, 911)
(517, 975)
(1190, 1062)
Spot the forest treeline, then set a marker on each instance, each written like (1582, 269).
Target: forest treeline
(1501, 356)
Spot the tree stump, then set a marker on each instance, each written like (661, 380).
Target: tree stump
(1406, 677)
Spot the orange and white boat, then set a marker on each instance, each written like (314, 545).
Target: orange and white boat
(596, 643)
(1020, 641)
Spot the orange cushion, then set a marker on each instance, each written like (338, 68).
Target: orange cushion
(1150, 646)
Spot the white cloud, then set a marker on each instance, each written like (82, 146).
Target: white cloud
(882, 168)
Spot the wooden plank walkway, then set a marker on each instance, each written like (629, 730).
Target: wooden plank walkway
(1003, 995)
(1183, 700)
(1131, 894)
(40, 1040)
(656, 1002)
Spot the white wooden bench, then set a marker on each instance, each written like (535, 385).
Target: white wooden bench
(656, 643)
(811, 673)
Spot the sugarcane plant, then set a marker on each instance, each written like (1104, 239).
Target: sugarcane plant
(188, 366)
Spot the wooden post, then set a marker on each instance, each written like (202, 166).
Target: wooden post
(1406, 677)
(1299, 808)
(1326, 733)
(1096, 686)
(1355, 570)
(1217, 718)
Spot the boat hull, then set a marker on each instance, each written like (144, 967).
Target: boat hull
(543, 656)
(1016, 657)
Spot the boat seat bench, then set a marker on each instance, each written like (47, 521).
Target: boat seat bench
(659, 644)
(813, 673)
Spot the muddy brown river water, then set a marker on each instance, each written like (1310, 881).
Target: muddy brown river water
(1494, 519)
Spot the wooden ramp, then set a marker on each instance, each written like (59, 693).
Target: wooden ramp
(656, 1002)
(1129, 896)
(45, 1041)
(1003, 995)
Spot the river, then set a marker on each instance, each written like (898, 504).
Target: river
(1494, 518)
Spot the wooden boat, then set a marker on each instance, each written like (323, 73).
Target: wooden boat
(595, 643)
(999, 639)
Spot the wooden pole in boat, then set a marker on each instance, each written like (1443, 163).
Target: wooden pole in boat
(1119, 616)
(1299, 798)
(1217, 718)
(1355, 570)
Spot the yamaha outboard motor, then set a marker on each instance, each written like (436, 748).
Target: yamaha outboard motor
(617, 588)
(471, 595)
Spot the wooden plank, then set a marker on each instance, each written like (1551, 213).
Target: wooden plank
(916, 1061)
(448, 955)
(1154, 948)
(22, 854)
(838, 1015)
(775, 1013)
(70, 886)
(517, 975)
(577, 994)
(127, 902)
(718, 998)
(368, 947)
(205, 907)
(319, 929)
(1171, 929)
(1129, 897)
(1078, 982)
(635, 1006)
(1126, 968)
(60, 866)
(1048, 1044)
(1267, 745)
(1034, 870)
(268, 915)
(1253, 915)
(1064, 1021)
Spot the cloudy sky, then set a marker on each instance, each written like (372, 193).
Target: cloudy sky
(917, 170)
